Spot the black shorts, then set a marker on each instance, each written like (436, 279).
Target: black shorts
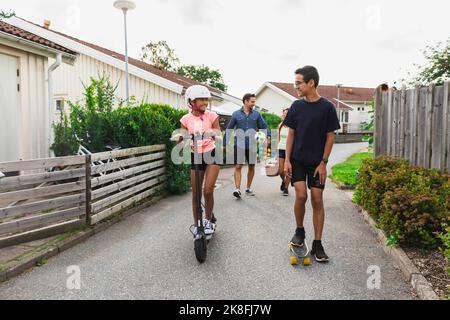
(242, 156)
(305, 172)
(207, 158)
(281, 154)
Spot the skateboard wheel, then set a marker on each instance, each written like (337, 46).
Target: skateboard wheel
(306, 261)
(294, 261)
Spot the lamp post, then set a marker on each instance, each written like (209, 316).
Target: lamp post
(125, 5)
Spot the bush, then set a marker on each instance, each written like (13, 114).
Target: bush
(412, 218)
(65, 143)
(94, 122)
(409, 203)
(376, 176)
(271, 119)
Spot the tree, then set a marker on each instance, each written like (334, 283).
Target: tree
(203, 74)
(6, 15)
(437, 67)
(161, 55)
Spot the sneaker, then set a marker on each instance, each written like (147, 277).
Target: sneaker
(237, 193)
(213, 219)
(299, 237)
(285, 192)
(249, 192)
(209, 227)
(195, 233)
(282, 187)
(319, 252)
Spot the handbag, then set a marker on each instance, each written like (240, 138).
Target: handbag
(272, 167)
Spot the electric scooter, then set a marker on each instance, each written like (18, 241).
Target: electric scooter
(200, 238)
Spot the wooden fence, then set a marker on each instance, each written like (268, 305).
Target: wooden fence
(44, 197)
(414, 125)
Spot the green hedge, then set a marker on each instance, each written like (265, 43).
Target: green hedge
(410, 204)
(96, 123)
(271, 119)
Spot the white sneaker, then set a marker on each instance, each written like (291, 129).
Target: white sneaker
(249, 192)
(209, 227)
(237, 193)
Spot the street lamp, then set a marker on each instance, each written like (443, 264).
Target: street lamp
(125, 5)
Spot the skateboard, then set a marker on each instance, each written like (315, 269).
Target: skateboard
(299, 253)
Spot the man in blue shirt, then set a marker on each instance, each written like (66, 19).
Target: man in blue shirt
(246, 121)
(312, 122)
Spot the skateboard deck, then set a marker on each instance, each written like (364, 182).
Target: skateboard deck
(301, 253)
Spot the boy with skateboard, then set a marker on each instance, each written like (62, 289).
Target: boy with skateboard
(312, 122)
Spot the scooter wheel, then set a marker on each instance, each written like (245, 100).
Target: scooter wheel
(294, 260)
(306, 261)
(200, 248)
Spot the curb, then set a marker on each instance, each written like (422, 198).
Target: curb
(419, 283)
(52, 251)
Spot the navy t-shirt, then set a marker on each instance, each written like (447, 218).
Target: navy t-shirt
(311, 122)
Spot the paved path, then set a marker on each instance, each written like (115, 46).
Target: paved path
(150, 255)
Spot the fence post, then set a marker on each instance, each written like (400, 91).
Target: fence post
(88, 189)
(402, 125)
(428, 125)
(377, 123)
(445, 128)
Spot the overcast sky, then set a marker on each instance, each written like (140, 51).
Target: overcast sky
(354, 42)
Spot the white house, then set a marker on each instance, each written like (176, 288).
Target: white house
(147, 82)
(24, 91)
(353, 104)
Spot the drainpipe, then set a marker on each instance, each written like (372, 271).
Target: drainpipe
(50, 98)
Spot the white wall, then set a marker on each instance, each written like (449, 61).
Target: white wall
(272, 101)
(68, 82)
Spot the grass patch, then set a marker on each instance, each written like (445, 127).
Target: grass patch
(346, 171)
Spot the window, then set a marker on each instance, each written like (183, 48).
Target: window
(60, 105)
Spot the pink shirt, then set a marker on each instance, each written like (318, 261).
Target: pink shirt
(195, 124)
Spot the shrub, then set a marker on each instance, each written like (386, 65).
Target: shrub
(412, 217)
(97, 124)
(271, 119)
(409, 203)
(65, 143)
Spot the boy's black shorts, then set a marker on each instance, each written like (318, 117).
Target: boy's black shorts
(305, 172)
(207, 158)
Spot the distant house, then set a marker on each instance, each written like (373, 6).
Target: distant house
(24, 90)
(353, 105)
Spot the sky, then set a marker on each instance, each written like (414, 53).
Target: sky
(354, 43)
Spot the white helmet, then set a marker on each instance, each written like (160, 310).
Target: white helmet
(197, 92)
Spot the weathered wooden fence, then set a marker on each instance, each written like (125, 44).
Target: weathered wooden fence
(414, 124)
(44, 197)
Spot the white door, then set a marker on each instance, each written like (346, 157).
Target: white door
(9, 109)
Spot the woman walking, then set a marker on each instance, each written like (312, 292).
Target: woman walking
(282, 136)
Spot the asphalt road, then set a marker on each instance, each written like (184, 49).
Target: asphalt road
(150, 254)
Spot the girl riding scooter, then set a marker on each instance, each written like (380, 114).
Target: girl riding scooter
(206, 123)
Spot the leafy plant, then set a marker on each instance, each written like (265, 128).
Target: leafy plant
(410, 203)
(161, 55)
(6, 15)
(65, 142)
(203, 74)
(272, 120)
(437, 67)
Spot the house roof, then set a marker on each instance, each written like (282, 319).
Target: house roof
(20, 33)
(346, 94)
(168, 75)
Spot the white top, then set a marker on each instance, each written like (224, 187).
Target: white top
(283, 137)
